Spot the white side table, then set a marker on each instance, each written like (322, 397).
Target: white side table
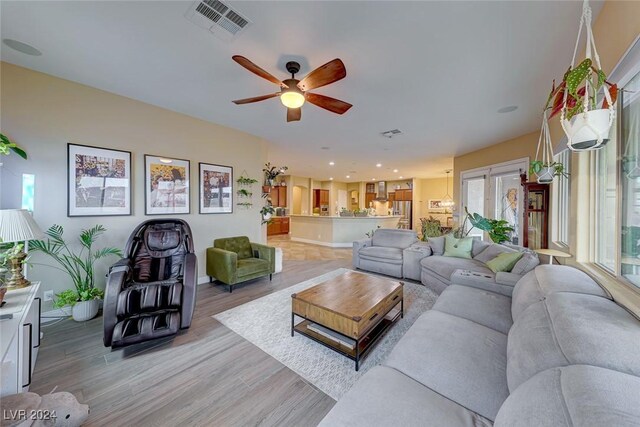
(553, 253)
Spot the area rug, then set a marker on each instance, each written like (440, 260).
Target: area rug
(266, 322)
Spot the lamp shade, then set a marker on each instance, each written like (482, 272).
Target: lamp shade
(17, 225)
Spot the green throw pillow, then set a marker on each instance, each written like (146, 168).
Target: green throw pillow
(505, 261)
(457, 248)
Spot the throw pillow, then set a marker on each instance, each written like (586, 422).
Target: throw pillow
(457, 248)
(527, 263)
(504, 261)
(437, 244)
(492, 251)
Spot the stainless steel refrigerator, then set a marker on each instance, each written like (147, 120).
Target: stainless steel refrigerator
(403, 208)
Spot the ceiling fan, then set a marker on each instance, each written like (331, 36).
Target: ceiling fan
(294, 92)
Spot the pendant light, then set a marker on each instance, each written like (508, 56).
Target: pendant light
(447, 200)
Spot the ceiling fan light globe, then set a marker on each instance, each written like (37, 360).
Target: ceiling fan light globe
(292, 99)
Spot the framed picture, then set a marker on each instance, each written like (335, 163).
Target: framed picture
(216, 189)
(435, 205)
(98, 181)
(166, 185)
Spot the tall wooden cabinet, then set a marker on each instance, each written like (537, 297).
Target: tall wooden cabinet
(278, 196)
(535, 228)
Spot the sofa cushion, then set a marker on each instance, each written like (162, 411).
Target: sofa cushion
(458, 248)
(445, 266)
(479, 246)
(483, 307)
(568, 329)
(239, 245)
(386, 397)
(504, 262)
(249, 266)
(437, 245)
(382, 254)
(547, 279)
(458, 359)
(578, 395)
(492, 251)
(394, 238)
(528, 262)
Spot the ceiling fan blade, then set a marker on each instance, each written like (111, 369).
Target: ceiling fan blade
(294, 114)
(256, 70)
(331, 104)
(330, 72)
(254, 99)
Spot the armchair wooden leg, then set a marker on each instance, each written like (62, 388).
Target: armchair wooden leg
(230, 288)
(210, 279)
(270, 276)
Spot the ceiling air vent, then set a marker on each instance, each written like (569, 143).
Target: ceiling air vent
(215, 16)
(391, 133)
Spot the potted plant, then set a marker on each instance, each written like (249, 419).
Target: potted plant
(267, 212)
(499, 230)
(585, 123)
(79, 265)
(270, 174)
(361, 213)
(6, 147)
(430, 227)
(346, 212)
(547, 171)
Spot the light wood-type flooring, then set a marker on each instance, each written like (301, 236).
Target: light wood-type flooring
(205, 376)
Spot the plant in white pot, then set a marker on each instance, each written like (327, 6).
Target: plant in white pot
(585, 120)
(85, 298)
(267, 212)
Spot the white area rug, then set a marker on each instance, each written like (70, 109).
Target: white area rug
(266, 322)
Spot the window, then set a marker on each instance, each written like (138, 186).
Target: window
(561, 201)
(630, 180)
(605, 204)
(28, 185)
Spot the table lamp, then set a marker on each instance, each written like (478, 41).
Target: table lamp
(17, 225)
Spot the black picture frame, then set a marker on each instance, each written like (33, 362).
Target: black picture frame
(98, 181)
(167, 189)
(210, 201)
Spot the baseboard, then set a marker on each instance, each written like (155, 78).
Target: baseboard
(203, 279)
(317, 242)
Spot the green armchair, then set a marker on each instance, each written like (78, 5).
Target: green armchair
(235, 259)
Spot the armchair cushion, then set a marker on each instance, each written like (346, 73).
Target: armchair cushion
(240, 245)
(250, 266)
(381, 253)
(394, 238)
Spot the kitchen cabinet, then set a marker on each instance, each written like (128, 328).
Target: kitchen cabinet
(391, 197)
(278, 196)
(368, 199)
(404, 195)
(371, 187)
(278, 225)
(320, 197)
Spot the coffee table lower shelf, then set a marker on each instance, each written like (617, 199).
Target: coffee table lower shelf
(362, 345)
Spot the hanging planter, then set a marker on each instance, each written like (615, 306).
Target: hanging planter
(267, 212)
(576, 99)
(544, 168)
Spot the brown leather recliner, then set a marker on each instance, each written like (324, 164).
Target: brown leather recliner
(152, 292)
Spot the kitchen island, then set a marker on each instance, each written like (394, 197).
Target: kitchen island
(337, 231)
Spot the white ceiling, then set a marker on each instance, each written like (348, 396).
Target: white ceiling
(438, 71)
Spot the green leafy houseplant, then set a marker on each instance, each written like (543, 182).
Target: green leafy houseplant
(246, 181)
(78, 265)
(243, 192)
(498, 229)
(267, 211)
(6, 147)
(271, 172)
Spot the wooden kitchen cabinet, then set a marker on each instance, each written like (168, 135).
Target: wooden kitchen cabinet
(404, 195)
(278, 196)
(368, 198)
(320, 197)
(391, 197)
(278, 225)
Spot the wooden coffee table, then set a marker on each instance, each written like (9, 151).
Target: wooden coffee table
(348, 313)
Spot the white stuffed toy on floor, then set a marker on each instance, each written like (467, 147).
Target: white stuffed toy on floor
(51, 410)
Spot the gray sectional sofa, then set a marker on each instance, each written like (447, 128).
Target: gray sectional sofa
(384, 252)
(558, 352)
(438, 271)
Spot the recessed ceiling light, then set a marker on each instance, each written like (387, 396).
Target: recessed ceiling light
(508, 109)
(378, 165)
(324, 148)
(22, 47)
(400, 177)
(395, 171)
(373, 179)
(330, 178)
(348, 176)
(332, 163)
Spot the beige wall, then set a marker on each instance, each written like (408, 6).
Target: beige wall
(44, 113)
(430, 189)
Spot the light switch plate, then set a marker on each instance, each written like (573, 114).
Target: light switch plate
(48, 295)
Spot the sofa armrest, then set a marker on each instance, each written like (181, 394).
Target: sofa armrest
(505, 278)
(357, 245)
(265, 252)
(423, 247)
(222, 265)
